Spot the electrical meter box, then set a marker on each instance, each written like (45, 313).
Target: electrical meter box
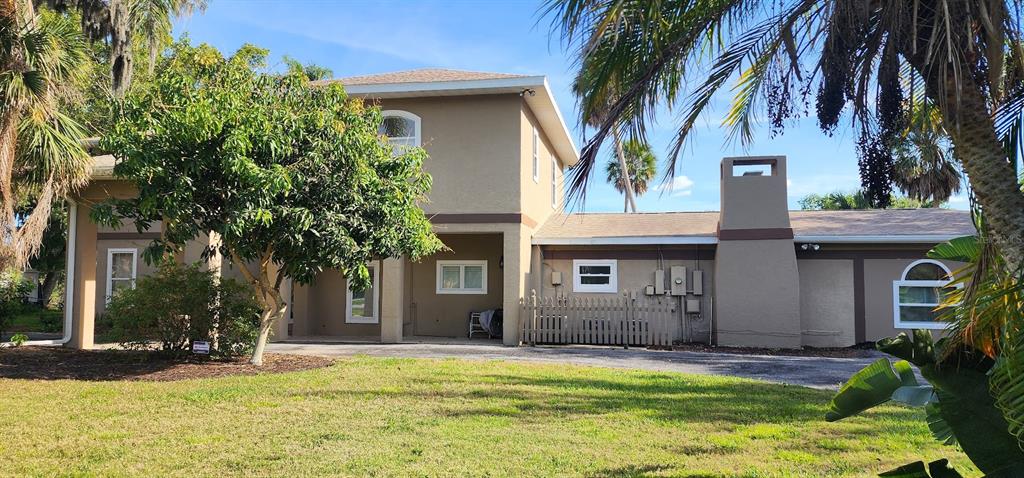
(677, 279)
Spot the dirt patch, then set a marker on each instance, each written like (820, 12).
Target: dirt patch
(857, 351)
(56, 363)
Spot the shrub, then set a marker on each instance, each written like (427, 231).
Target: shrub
(182, 304)
(13, 290)
(19, 339)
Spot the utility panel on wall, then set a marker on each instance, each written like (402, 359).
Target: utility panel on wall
(677, 277)
(698, 282)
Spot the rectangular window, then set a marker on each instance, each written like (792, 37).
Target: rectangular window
(554, 182)
(536, 156)
(362, 305)
(915, 304)
(461, 277)
(122, 265)
(600, 276)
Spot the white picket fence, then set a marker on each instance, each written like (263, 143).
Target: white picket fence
(618, 320)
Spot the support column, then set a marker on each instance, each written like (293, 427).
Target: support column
(392, 300)
(82, 295)
(516, 250)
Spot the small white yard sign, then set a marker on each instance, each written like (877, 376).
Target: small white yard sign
(200, 347)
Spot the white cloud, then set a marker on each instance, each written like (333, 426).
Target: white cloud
(680, 186)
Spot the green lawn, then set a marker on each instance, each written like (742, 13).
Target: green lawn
(390, 417)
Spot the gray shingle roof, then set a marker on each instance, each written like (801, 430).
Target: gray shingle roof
(838, 224)
(424, 75)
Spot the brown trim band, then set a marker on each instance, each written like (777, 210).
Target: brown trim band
(755, 234)
(627, 254)
(127, 236)
(859, 302)
(863, 254)
(481, 218)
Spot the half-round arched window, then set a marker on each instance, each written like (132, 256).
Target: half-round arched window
(402, 129)
(918, 293)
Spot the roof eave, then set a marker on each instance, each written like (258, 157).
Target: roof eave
(705, 239)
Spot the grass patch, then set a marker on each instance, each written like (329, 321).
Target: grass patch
(404, 417)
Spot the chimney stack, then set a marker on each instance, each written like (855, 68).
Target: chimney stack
(757, 287)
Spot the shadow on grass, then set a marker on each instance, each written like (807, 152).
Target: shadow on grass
(543, 397)
(56, 363)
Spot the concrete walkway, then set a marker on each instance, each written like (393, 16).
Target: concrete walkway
(816, 372)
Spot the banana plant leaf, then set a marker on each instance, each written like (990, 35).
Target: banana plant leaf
(969, 410)
(871, 386)
(962, 249)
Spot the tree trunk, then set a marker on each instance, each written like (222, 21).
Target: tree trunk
(121, 61)
(990, 173)
(8, 223)
(46, 288)
(273, 310)
(627, 183)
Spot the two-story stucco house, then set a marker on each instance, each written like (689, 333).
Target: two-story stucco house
(752, 274)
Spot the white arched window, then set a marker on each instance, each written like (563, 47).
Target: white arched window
(918, 293)
(402, 129)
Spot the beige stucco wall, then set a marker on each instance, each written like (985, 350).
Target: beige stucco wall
(473, 148)
(536, 197)
(753, 202)
(878, 298)
(827, 302)
(447, 315)
(633, 277)
(102, 248)
(321, 308)
(757, 294)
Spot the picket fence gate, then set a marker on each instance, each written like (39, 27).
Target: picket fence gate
(618, 320)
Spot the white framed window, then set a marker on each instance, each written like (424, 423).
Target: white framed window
(554, 182)
(122, 269)
(402, 129)
(595, 275)
(917, 294)
(361, 307)
(536, 156)
(461, 277)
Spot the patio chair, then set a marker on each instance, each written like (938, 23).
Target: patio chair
(475, 326)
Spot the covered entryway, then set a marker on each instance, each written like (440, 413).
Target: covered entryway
(445, 288)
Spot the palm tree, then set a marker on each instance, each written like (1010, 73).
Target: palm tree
(119, 22)
(641, 164)
(40, 155)
(594, 117)
(925, 169)
(864, 59)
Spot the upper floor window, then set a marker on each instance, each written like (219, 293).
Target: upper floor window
(918, 293)
(402, 129)
(536, 156)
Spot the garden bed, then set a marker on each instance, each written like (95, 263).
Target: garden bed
(55, 363)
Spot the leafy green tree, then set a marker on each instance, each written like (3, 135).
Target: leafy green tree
(839, 201)
(856, 58)
(642, 165)
(41, 159)
(294, 178)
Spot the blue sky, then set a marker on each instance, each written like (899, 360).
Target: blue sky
(361, 37)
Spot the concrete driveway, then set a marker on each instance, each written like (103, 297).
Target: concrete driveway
(815, 372)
